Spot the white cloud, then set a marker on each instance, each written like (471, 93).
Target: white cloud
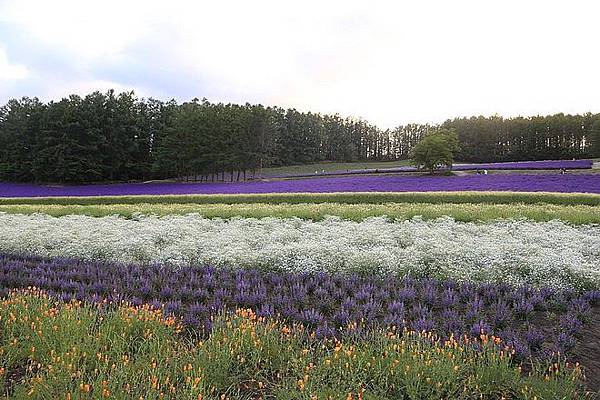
(388, 61)
(8, 71)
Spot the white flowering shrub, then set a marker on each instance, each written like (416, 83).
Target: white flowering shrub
(513, 251)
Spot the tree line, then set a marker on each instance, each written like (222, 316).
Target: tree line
(120, 137)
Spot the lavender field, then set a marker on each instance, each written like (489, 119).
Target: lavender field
(324, 200)
(327, 303)
(526, 282)
(314, 170)
(580, 183)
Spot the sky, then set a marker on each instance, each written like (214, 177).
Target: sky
(390, 62)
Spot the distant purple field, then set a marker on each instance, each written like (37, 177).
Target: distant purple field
(381, 183)
(513, 165)
(549, 164)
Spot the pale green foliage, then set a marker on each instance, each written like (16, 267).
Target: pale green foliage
(436, 150)
(466, 212)
(591, 199)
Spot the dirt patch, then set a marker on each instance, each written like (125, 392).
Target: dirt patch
(587, 349)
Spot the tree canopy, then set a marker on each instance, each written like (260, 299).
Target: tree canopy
(436, 150)
(119, 137)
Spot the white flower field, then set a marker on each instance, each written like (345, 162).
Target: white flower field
(518, 252)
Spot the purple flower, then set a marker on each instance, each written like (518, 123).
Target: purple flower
(423, 324)
(501, 314)
(569, 323)
(396, 307)
(449, 298)
(480, 328)
(406, 294)
(534, 338)
(564, 342)
(311, 317)
(451, 322)
(266, 310)
(321, 301)
(589, 183)
(396, 320)
(523, 307)
(341, 317)
(325, 331)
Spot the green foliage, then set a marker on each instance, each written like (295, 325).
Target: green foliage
(119, 137)
(466, 212)
(343, 198)
(436, 150)
(53, 350)
(551, 137)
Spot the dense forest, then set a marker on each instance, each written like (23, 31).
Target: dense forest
(120, 137)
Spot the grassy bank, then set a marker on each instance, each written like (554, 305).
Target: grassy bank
(466, 212)
(332, 166)
(52, 350)
(344, 198)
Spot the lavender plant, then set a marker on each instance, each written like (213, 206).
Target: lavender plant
(328, 304)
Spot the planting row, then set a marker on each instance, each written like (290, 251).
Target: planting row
(533, 322)
(517, 252)
(51, 350)
(466, 212)
(386, 168)
(580, 183)
(454, 197)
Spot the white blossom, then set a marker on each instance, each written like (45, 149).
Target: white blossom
(514, 251)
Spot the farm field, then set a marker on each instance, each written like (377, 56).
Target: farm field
(405, 166)
(332, 168)
(464, 212)
(576, 183)
(274, 201)
(368, 292)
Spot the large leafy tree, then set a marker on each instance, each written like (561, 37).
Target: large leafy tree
(436, 150)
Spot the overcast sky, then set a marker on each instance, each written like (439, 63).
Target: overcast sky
(389, 62)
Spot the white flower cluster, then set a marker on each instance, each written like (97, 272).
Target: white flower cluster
(513, 251)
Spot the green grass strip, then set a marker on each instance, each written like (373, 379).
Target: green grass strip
(344, 198)
(576, 214)
(329, 167)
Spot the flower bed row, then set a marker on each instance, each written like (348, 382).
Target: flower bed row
(538, 322)
(52, 350)
(466, 212)
(577, 183)
(509, 165)
(517, 252)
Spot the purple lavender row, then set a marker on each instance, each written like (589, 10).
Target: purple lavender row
(327, 304)
(512, 165)
(588, 183)
(548, 164)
